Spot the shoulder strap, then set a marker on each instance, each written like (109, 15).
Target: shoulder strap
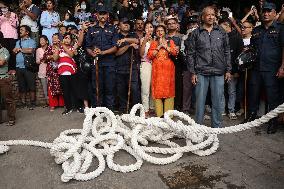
(20, 43)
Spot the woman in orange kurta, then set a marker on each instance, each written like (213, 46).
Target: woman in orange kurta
(163, 71)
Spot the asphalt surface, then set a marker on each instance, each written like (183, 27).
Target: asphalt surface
(249, 159)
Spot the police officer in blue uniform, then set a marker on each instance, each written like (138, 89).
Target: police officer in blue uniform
(268, 41)
(101, 44)
(128, 52)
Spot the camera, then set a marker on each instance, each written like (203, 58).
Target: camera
(157, 14)
(223, 15)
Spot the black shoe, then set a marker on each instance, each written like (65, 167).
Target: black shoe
(250, 118)
(272, 127)
(22, 105)
(80, 110)
(66, 112)
(32, 106)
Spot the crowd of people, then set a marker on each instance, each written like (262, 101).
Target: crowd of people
(163, 56)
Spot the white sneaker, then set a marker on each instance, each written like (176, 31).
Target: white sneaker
(208, 109)
(223, 114)
(207, 117)
(232, 116)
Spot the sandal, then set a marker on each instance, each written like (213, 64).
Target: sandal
(10, 123)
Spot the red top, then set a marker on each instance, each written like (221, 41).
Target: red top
(65, 62)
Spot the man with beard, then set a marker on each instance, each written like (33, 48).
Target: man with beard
(127, 58)
(101, 44)
(209, 61)
(268, 40)
(139, 27)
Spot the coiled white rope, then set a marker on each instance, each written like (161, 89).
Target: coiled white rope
(104, 134)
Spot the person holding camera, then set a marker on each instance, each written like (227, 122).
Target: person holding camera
(30, 15)
(81, 12)
(6, 85)
(26, 78)
(146, 68)
(156, 13)
(268, 41)
(130, 9)
(252, 16)
(67, 69)
(9, 27)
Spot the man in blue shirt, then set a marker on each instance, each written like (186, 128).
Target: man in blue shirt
(101, 44)
(268, 40)
(26, 78)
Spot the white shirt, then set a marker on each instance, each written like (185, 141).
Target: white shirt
(147, 47)
(246, 41)
(26, 20)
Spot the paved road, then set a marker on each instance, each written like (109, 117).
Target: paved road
(249, 159)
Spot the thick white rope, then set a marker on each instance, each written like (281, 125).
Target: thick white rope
(104, 134)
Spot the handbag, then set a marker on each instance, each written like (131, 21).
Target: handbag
(84, 61)
(30, 61)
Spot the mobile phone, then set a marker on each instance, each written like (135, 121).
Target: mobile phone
(230, 15)
(253, 7)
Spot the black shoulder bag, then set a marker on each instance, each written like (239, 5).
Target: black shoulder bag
(29, 61)
(84, 61)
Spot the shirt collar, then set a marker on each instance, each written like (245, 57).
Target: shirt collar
(25, 39)
(273, 25)
(106, 25)
(215, 27)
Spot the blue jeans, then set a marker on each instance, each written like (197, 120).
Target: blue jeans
(232, 93)
(217, 92)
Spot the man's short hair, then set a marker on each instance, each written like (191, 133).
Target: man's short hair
(27, 28)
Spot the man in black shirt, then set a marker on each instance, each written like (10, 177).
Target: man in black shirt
(127, 66)
(268, 40)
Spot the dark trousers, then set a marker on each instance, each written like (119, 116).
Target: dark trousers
(178, 87)
(240, 90)
(187, 91)
(271, 85)
(67, 86)
(7, 94)
(122, 84)
(106, 87)
(10, 44)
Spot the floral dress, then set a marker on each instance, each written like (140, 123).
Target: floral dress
(51, 73)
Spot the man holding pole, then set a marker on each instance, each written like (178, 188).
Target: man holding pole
(101, 44)
(268, 40)
(127, 67)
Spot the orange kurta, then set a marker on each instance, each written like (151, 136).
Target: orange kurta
(163, 71)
